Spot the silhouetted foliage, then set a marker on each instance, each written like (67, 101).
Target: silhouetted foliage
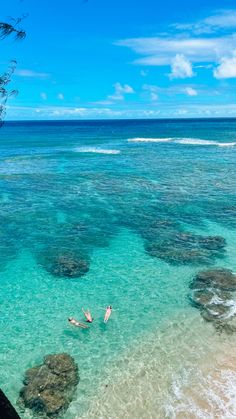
(7, 29)
(4, 92)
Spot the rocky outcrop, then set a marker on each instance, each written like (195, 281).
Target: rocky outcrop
(222, 279)
(7, 411)
(48, 388)
(213, 293)
(64, 263)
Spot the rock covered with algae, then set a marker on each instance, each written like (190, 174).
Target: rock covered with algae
(48, 388)
(213, 293)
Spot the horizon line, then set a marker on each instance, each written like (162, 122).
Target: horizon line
(123, 119)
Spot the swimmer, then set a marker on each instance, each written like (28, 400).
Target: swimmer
(88, 316)
(107, 314)
(75, 322)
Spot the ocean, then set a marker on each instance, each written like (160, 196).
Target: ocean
(144, 205)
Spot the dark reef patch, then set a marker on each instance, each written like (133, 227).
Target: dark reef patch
(185, 248)
(64, 262)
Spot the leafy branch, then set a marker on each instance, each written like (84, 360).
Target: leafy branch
(8, 29)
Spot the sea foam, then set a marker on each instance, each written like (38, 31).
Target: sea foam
(232, 144)
(194, 141)
(149, 140)
(96, 150)
(183, 141)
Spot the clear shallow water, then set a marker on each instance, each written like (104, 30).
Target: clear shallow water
(86, 186)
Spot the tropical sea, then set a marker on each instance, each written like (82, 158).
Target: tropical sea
(146, 205)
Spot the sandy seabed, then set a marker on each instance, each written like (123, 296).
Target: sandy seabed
(184, 370)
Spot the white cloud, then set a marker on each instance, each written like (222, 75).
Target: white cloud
(159, 51)
(152, 92)
(143, 73)
(32, 74)
(181, 68)
(181, 112)
(48, 112)
(60, 96)
(43, 95)
(103, 102)
(226, 68)
(120, 91)
(224, 19)
(165, 111)
(190, 91)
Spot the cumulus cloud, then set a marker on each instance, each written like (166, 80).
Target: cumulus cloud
(227, 67)
(190, 91)
(120, 91)
(60, 96)
(181, 68)
(43, 95)
(32, 74)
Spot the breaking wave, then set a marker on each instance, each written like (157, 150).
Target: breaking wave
(96, 150)
(184, 141)
(150, 140)
(208, 395)
(195, 141)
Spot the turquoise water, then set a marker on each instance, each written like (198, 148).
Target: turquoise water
(121, 195)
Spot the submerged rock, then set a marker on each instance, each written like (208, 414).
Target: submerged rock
(212, 293)
(215, 311)
(212, 242)
(65, 263)
(177, 254)
(185, 248)
(48, 388)
(202, 297)
(228, 327)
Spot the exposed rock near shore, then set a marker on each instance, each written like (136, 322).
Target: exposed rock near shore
(222, 279)
(213, 293)
(48, 388)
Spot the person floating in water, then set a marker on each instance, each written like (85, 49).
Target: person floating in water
(75, 322)
(107, 313)
(88, 316)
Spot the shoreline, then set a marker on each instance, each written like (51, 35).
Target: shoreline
(138, 383)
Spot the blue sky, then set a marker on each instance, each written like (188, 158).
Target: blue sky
(122, 59)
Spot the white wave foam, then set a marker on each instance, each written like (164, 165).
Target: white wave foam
(211, 395)
(96, 150)
(150, 140)
(227, 144)
(186, 141)
(195, 141)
